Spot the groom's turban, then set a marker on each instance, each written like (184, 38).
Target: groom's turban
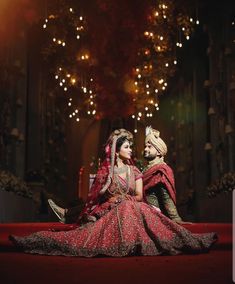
(153, 137)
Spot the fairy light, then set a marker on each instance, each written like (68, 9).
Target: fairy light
(73, 81)
(156, 57)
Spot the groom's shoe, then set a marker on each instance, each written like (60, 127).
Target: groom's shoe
(57, 210)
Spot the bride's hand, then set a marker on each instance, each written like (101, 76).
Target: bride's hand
(115, 199)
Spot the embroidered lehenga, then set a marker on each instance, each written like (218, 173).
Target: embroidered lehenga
(126, 227)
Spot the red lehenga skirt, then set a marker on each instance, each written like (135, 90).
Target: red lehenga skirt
(130, 228)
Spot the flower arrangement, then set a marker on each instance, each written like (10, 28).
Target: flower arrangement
(225, 184)
(9, 182)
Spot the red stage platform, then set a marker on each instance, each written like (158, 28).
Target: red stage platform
(213, 267)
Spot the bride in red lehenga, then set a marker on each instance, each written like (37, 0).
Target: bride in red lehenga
(115, 220)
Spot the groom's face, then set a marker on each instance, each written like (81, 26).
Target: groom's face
(150, 152)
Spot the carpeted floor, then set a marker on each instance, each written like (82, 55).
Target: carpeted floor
(213, 267)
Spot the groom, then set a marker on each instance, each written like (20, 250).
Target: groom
(158, 177)
(158, 182)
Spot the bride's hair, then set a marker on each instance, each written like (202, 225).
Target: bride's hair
(121, 140)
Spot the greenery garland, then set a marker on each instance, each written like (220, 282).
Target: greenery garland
(225, 184)
(10, 182)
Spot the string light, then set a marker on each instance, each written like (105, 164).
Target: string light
(156, 59)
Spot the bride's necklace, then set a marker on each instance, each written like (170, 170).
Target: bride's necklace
(120, 170)
(123, 189)
(120, 188)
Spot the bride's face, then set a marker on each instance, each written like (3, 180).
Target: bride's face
(125, 151)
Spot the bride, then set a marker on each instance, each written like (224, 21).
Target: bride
(115, 220)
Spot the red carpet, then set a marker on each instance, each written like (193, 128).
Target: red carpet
(213, 267)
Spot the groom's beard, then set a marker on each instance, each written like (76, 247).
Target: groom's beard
(149, 157)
